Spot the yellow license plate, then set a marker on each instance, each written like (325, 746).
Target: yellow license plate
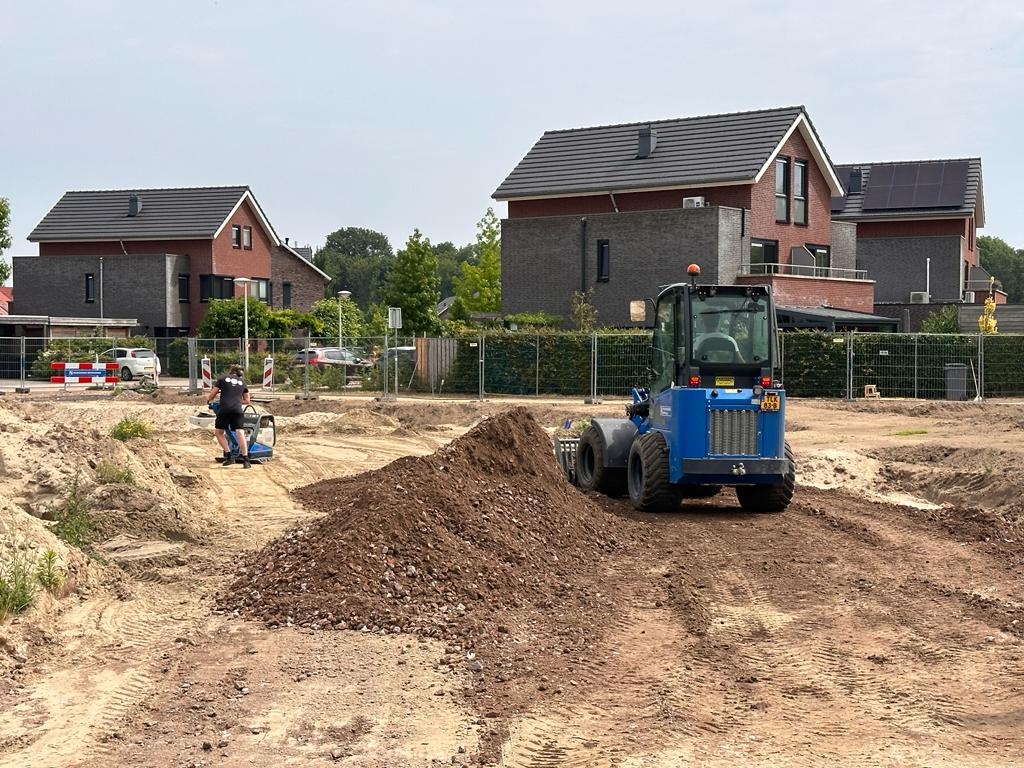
(725, 381)
(770, 401)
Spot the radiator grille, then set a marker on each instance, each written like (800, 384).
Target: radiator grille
(734, 433)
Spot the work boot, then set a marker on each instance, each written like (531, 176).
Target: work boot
(228, 460)
(245, 462)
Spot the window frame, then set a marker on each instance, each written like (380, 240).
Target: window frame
(764, 244)
(90, 288)
(783, 164)
(236, 235)
(800, 192)
(604, 258)
(184, 289)
(820, 270)
(247, 238)
(286, 295)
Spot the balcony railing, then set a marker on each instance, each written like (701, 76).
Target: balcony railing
(801, 270)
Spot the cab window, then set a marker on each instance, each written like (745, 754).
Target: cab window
(663, 345)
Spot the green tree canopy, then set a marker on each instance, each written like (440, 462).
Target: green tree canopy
(225, 319)
(413, 285)
(5, 238)
(449, 264)
(326, 312)
(478, 287)
(1005, 263)
(357, 260)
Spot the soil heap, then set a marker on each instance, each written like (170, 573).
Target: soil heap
(446, 545)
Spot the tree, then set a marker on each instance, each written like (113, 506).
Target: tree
(225, 319)
(944, 320)
(413, 285)
(583, 314)
(5, 238)
(1006, 264)
(326, 311)
(449, 264)
(478, 288)
(357, 260)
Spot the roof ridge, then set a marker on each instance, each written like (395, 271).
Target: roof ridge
(157, 189)
(908, 162)
(799, 107)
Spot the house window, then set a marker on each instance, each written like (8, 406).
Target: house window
(90, 288)
(782, 190)
(822, 259)
(799, 192)
(183, 289)
(236, 236)
(260, 289)
(286, 294)
(764, 257)
(603, 261)
(247, 238)
(215, 287)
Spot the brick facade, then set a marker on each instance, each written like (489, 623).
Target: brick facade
(307, 284)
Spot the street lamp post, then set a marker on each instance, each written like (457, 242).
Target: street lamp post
(342, 295)
(244, 282)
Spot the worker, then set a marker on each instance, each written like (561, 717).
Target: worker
(234, 396)
(712, 345)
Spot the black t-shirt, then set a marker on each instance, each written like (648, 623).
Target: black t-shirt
(231, 390)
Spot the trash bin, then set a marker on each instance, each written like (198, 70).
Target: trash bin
(956, 381)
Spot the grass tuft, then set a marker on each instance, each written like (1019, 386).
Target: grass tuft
(131, 426)
(110, 474)
(74, 524)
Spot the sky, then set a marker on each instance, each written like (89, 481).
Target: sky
(395, 116)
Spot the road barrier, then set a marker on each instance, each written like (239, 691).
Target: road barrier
(84, 373)
(207, 375)
(268, 372)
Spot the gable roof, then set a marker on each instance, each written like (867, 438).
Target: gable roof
(850, 207)
(186, 213)
(297, 253)
(713, 150)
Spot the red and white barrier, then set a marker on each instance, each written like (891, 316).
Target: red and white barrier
(84, 373)
(207, 374)
(268, 372)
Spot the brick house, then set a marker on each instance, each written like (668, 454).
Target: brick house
(158, 255)
(623, 209)
(917, 223)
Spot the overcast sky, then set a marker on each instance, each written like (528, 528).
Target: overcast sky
(401, 115)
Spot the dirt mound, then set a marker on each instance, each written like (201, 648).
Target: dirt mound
(441, 545)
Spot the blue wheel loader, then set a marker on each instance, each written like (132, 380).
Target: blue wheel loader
(712, 415)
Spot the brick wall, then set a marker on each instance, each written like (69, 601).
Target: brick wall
(308, 285)
(900, 265)
(844, 245)
(140, 286)
(544, 261)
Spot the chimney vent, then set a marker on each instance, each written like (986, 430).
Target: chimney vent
(134, 205)
(647, 140)
(855, 182)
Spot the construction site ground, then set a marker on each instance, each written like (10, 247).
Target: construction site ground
(414, 583)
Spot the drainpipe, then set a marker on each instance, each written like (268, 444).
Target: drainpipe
(583, 255)
(615, 205)
(101, 287)
(928, 278)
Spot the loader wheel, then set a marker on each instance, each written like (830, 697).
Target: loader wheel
(770, 498)
(591, 473)
(647, 473)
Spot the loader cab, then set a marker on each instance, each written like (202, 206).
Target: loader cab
(709, 336)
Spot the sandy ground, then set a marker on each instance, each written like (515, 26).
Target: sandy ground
(877, 622)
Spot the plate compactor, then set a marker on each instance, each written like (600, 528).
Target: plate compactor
(260, 432)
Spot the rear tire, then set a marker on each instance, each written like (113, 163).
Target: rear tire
(591, 473)
(647, 475)
(770, 498)
(126, 374)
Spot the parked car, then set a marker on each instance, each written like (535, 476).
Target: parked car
(323, 358)
(132, 361)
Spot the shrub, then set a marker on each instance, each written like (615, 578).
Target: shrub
(131, 426)
(17, 584)
(110, 474)
(74, 524)
(47, 572)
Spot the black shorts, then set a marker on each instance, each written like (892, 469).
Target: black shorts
(231, 420)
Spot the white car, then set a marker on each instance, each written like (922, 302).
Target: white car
(133, 361)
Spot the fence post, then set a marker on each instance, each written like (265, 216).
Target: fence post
(480, 393)
(593, 371)
(917, 338)
(22, 390)
(536, 369)
(193, 380)
(849, 366)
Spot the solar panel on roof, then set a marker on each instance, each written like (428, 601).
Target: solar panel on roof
(916, 185)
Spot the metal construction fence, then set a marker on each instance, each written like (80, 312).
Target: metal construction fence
(591, 365)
